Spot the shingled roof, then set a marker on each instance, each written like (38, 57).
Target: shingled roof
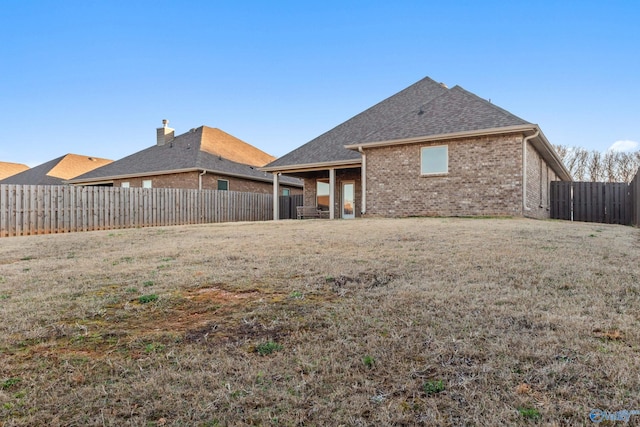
(423, 110)
(8, 169)
(202, 148)
(329, 147)
(454, 111)
(56, 171)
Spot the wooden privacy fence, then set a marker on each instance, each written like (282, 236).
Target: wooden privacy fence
(43, 209)
(605, 202)
(288, 205)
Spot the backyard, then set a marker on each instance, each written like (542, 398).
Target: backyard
(419, 321)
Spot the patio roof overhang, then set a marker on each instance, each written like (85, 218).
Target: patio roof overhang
(310, 167)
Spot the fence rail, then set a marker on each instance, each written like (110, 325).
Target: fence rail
(44, 209)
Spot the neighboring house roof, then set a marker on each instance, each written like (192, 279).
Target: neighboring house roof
(202, 149)
(8, 169)
(423, 111)
(56, 171)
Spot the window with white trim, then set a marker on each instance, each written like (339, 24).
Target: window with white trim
(223, 185)
(124, 184)
(286, 192)
(434, 160)
(146, 183)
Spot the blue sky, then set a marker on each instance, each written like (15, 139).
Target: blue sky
(97, 77)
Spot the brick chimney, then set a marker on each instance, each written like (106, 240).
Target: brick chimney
(165, 133)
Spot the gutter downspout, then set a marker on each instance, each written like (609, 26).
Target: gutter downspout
(524, 170)
(363, 178)
(204, 172)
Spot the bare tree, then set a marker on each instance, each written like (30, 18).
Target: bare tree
(628, 166)
(595, 167)
(611, 166)
(610, 161)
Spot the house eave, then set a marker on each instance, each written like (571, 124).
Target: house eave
(443, 136)
(541, 143)
(309, 167)
(111, 179)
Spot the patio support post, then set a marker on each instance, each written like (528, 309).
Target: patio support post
(332, 193)
(276, 199)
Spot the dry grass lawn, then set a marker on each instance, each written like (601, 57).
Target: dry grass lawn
(368, 322)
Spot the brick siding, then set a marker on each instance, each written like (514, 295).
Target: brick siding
(342, 176)
(209, 182)
(539, 177)
(483, 178)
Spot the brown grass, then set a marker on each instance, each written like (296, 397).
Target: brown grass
(370, 322)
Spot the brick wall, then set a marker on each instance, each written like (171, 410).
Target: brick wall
(209, 182)
(484, 178)
(539, 177)
(342, 176)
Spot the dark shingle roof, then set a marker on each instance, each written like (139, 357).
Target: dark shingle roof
(56, 171)
(329, 146)
(200, 148)
(457, 110)
(425, 108)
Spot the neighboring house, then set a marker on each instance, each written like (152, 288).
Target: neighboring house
(56, 171)
(8, 169)
(203, 158)
(428, 151)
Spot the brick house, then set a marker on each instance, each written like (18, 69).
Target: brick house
(428, 151)
(56, 171)
(203, 158)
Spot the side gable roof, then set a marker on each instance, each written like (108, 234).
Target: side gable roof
(202, 148)
(329, 147)
(8, 169)
(56, 171)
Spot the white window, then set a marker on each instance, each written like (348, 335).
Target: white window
(124, 184)
(285, 192)
(434, 160)
(223, 185)
(146, 183)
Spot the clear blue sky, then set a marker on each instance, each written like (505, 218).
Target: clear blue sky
(97, 77)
